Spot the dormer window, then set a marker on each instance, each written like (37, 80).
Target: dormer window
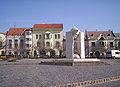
(108, 35)
(91, 35)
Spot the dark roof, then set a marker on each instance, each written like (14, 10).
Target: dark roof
(96, 34)
(48, 26)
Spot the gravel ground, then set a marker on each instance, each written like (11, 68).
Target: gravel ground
(28, 73)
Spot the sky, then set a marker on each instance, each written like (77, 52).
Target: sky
(90, 15)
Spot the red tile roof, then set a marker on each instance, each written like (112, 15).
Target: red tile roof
(48, 26)
(15, 31)
(96, 34)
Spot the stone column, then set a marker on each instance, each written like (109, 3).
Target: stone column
(69, 45)
(82, 45)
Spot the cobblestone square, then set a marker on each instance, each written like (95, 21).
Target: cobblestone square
(28, 73)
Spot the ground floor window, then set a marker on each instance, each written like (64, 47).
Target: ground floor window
(97, 54)
(42, 52)
(52, 53)
(2, 53)
(10, 53)
(91, 54)
(35, 53)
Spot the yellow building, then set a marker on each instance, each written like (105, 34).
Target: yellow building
(47, 40)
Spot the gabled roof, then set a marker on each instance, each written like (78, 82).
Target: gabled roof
(15, 31)
(96, 34)
(48, 26)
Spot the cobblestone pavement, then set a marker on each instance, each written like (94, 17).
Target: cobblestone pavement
(28, 73)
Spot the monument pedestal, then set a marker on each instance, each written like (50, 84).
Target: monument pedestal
(70, 62)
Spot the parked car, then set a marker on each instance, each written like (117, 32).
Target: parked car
(113, 54)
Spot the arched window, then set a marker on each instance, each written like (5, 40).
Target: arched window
(47, 44)
(21, 43)
(39, 36)
(57, 44)
(36, 36)
(38, 44)
(55, 36)
(58, 36)
(16, 43)
(10, 44)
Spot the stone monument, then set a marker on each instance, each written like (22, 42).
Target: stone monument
(75, 47)
(75, 50)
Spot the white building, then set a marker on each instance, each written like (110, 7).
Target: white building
(17, 41)
(28, 41)
(2, 43)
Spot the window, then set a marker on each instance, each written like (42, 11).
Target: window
(21, 43)
(91, 35)
(36, 36)
(10, 41)
(93, 44)
(119, 44)
(91, 54)
(28, 45)
(55, 36)
(16, 40)
(28, 39)
(10, 44)
(39, 36)
(38, 44)
(58, 36)
(28, 33)
(48, 36)
(111, 44)
(108, 35)
(10, 53)
(108, 52)
(47, 44)
(57, 44)
(102, 44)
(117, 52)
(16, 43)
(42, 52)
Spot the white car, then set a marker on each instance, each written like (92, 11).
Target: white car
(113, 54)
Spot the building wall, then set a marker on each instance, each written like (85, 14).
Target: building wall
(28, 41)
(2, 43)
(11, 51)
(110, 43)
(44, 40)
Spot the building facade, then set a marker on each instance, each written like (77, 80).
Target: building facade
(47, 39)
(16, 41)
(99, 42)
(2, 43)
(28, 41)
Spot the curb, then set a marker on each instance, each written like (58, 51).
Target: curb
(90, 82)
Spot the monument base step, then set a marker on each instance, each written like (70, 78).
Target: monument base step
(71, 62)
